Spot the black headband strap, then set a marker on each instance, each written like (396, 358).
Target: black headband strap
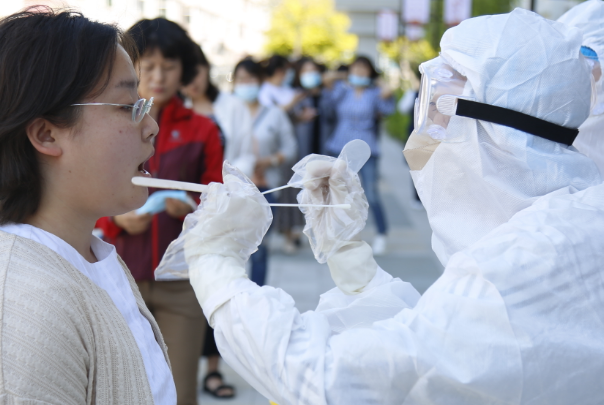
(516, 120)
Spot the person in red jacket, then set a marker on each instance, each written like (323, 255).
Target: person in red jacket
(187, 148)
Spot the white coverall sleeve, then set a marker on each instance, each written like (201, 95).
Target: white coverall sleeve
(294, 358)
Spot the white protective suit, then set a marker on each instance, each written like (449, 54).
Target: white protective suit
(589, 18)
(518, 315)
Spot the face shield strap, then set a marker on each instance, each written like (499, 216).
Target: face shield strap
(516, 120)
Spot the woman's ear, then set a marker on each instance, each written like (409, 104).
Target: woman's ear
(41, 135)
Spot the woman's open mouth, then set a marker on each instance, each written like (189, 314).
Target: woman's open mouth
(141, 167)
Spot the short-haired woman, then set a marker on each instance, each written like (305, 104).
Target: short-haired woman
(187, 148)
(73, 132)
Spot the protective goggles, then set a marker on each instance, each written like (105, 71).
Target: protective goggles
(597, 94)
(441, 97)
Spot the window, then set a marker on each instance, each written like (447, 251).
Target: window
(162, 8)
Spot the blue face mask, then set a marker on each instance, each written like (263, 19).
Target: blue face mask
(157, 201)
(311, 80)
(359, 81)
(247, 92)
(290, 75)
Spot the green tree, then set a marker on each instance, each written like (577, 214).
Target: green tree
(313, 28)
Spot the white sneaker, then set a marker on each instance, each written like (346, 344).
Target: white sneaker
(379, 245)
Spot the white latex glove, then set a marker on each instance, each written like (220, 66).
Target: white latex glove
(334, 232)
(232, 220)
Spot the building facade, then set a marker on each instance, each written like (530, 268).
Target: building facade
(363, 15)
(227, 30)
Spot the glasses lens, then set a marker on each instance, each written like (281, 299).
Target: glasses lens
(137, 111)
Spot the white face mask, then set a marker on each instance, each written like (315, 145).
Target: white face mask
(247, 92)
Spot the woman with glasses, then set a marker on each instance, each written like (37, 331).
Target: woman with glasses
(74, 328)
(187, 148)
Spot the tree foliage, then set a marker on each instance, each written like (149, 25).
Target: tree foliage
(313, 28)
(415, 52)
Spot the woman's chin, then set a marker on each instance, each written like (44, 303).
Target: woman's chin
(138, 199)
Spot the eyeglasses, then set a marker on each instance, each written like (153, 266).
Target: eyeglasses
(139, 109)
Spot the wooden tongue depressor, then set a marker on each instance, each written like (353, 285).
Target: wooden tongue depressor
(201, 188)
(169, 184)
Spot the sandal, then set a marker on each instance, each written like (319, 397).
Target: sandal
(222, 387)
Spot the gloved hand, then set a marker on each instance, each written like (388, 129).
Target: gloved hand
(231, 222)
(334, 232)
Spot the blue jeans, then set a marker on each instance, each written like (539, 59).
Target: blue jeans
(369, 178)
(259, 259)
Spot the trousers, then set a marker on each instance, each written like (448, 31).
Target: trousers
(182, 324)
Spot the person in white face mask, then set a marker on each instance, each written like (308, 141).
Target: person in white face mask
(517, 213)
(589, 18)
(274, 143)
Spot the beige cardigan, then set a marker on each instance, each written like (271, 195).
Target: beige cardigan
(62, 340)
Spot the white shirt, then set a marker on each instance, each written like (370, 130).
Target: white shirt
(273, 133)
(235, 121)
(108, 274)
(271, 95)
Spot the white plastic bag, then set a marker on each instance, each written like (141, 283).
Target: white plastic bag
(327, 180)
(231, 221)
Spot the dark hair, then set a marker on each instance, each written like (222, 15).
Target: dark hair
(251, 66)
(48, 61)
(367, 62)
(274, 63)
(172, 41)
(211, 91)
(298, 68)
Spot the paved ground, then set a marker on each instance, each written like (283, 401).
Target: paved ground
(409, 257)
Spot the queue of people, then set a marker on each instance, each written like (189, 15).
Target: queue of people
(516, 214)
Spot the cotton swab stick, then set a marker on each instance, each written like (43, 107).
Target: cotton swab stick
(277, 189)
(200, 188)
(355, 153)
(345, 206)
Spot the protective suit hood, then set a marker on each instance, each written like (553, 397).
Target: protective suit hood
(589, 18)
(522, 62)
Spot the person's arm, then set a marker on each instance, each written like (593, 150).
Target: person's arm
(293, 101)
(294, 358)
(386, 104)
(288, 357)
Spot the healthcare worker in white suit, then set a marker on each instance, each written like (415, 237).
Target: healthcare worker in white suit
(517, 215)
(589, 18)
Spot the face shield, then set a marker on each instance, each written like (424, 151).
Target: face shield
(441, 86)
(443, 95)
